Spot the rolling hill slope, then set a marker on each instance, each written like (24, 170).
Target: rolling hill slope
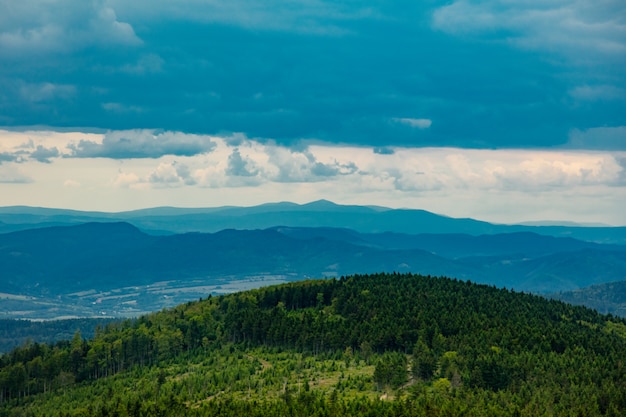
(608, 298)
(384, 344)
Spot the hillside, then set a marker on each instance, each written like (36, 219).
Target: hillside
(609, 298)
(372, 345)
(14, 333)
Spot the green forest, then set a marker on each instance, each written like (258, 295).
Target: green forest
(367, 345)
(14, 333)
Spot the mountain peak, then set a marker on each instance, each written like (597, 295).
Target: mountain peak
(321, 204)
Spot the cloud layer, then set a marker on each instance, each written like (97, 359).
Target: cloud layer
(142, 144)
(497, 110)
(470, 74)
(33, 28)
(582, 31)
(41, 168)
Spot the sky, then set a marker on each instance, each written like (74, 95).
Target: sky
(505, 111)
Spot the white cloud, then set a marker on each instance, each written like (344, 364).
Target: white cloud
(7, 157)
(71, 183)
(500, 185)
(239, 166)
(416, 123)
(290, 165)
(39, 92)
(173, 174)
(25, 142)
(455, 170)
(582, 30)
(140, 143)
(127, 180)
(545, 172)
(597, 92)
(121, 108)
(305, 16)
(10, 174)
(211, 176)
(417, 181)
(607, 138)
(31, 28)
(20, 147)
(43, 154)
(149, 63)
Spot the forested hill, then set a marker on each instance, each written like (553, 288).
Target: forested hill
(17, 332)
(606, 298)
(385, 344)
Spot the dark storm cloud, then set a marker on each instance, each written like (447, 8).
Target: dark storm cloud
(408, 73)
(142, 144)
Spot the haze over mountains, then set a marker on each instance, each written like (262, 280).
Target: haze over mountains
(70, 263)
(322, 213)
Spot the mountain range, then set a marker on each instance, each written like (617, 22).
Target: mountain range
(90, 264)
(322, 213)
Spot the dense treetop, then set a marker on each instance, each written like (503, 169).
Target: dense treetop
(441, 345)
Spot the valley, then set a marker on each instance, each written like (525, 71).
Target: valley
(126, 302)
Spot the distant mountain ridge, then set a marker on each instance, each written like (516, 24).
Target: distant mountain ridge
(116, 259)
(141, 260)
(456, 244)
(103, 253)
(322, 213)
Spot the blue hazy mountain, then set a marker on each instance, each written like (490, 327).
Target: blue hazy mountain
(103, 255)
(455, 245)
(146, 259)
(363, 219)
(99, 256)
